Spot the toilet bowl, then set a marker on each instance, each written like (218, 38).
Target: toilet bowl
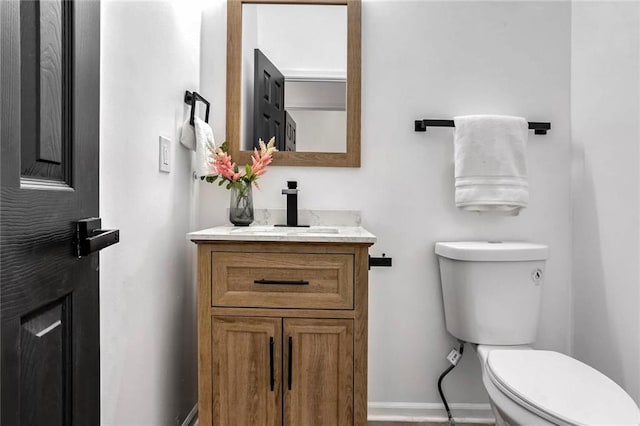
(491, 295)
(531, 387)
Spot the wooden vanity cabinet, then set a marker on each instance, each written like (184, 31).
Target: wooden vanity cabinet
(246, 371)
(282, 333)
(318, 362)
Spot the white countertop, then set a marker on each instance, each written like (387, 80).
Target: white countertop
(323, 234)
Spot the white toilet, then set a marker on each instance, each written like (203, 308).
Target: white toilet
(491, 293)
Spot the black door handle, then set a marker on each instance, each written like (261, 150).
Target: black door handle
(90, 238)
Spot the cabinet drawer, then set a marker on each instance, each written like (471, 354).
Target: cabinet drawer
(282, 280)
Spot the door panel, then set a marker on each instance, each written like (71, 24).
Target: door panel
(45, 64)
(44, 357)
(49, 133)
(290, 132)
(247, 370)
(268, 119)
(51, 72)
(318, 372)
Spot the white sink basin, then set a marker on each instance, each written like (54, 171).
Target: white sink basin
(285, 230)
(317, 231)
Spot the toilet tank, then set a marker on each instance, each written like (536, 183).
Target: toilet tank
(491, 290)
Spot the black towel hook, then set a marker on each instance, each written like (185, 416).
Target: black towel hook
(190, 98)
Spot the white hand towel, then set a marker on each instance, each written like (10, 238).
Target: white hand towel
(188, 135)
(199, 138)
(490, 163)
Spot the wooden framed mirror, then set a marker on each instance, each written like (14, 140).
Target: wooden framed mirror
(316, 121)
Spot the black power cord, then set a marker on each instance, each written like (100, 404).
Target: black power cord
(444, 373)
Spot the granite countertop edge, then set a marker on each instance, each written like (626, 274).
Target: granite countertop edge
(345, 234)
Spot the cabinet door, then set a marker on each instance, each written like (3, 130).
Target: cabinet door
(247, 371)
(318, 376)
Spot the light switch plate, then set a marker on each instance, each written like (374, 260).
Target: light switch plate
(164, 157)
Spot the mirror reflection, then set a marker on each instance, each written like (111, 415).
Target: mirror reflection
(294, 78)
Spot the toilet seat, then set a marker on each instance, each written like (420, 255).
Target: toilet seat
(560, 389)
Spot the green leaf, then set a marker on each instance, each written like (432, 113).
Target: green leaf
(209, 178)
(247, 170)
(229, 185)
(221, 182)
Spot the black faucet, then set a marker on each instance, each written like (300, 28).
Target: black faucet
(292, 202)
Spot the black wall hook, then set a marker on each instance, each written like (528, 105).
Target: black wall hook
(190, 98)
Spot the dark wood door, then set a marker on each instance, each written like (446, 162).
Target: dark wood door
(289, 132)
(268, 105)
(49, 132)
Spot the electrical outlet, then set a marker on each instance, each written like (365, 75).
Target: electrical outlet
(164, 157)
(453, 357)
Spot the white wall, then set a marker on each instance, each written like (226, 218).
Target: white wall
(309, 38)
(332, 138)
(605, 100)
(319, 111)
(433, 59)
(150, 54)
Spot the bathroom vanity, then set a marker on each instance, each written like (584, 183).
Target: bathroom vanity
(282, 325)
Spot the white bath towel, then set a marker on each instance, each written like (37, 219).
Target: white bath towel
(199, 138)
(490, 163)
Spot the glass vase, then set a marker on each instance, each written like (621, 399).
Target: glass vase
(241, 205)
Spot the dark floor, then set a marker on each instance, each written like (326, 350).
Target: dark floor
(422, 424)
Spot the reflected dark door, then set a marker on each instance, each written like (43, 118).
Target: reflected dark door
(268, 93)
(49, 298)
(289, 132)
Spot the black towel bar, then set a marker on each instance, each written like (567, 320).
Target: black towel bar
(539, 128)
(190, 98)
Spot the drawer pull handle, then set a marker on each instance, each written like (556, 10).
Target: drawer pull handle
(271, 375)
(290, 361)
(281, 282)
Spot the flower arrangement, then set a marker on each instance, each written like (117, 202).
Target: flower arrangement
(239, 180)
(228, 171)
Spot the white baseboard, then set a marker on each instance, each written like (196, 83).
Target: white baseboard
(191, 419)
(429, 412)
(408, 412)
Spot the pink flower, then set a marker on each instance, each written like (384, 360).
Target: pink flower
(260, 162)
(225, 167)
(261, 159)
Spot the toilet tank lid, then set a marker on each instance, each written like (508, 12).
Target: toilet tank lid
(492, 251)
